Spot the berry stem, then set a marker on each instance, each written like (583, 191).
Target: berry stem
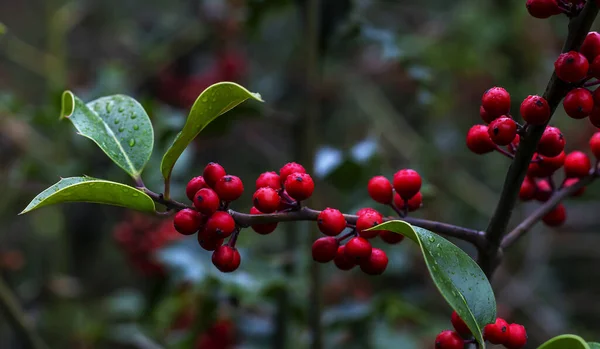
(591, 83)
(504, 152)
(233, 238)
(397, 210)
(347, 235)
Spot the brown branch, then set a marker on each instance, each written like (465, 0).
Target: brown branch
(555, 92)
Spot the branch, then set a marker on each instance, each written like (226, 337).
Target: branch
(555, 92)
(541, 211)
(10, 307)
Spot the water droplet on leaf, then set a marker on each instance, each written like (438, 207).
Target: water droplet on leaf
(108, 107)
(117, 121)
(136, 127)
(132, 142)
(133, 116)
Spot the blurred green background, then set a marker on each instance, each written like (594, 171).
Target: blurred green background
(353, 89)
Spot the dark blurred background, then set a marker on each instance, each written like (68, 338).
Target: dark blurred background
(353, 89)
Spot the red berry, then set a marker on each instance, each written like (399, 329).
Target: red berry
(220, 225)
(358, 249)
(595, 114)
(556, 217)
(376, 263)
(390, 237)
(572, 181)
(577, 165)
(407, 183)
(496, 101)
(502, 131)
(212, 173)
(288, 169)
(591, 46)
(265, 228)
(552, 142)
(595, 68)
(459, 325)
(485, 116)
(515, 144)
(543, 190)
(222, 257)
(233, 264)
(413, 204)
(207, 243)
(365, 210)
(299, 186)
(517, 337)
(449, 340)
(479, 141)
(366, 221)
(527, 190)
(266, 199)
(206, 201)
(571, 66)
(324, 249)
(496, 333)
(331, 221)
(578, 103)
(268, 179)
(542, 8)
(341, 260)
(535, 110)
(595, 145)
(229, 188)
(551, 164)
(380, 190)
(194, 185)
(187, 221)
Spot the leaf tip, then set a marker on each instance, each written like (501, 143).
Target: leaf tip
(67, 104)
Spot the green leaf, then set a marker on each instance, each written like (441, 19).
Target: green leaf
(118, 124)
(212, 102)
(594, 345)
(2, 29)
(88, 189)
(458, 278)
(565, 341)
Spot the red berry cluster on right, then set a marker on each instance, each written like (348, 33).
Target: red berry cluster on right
(512, 336)
(548, 8)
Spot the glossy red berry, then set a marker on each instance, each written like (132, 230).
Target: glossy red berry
(577, 165)
(449, 340)
(265, 228)
(551, 164)
(407, 183)
(502, 131)
(517, 337)
(220, 225)
(572, 181)
(376, 263)
(222, 257)
(413, 204)
(187, 221)
(229, 188)
(571, 66)
(591, 46)
(268, 179)
(209, 244)
(496, 101)
(496, 333)
(236, 259)
(542, 8)
(341, 260)
(324, 249)
(595, 68)
(194, 185)
(206, 201)
(535, 110)
(358, 249)
(595, 145)
(459, 325)
(578, 103)
(594, 116)
(479, 141)
(552, 142)
(366, 221)
(299, 186)
(331, 221)
(212, 173)
(365, 210)
(485, 116)
(288, 169)
(266, 199)
(556, 217)
(380, 190)
(543, 190)
(527, 190)
(390, 237)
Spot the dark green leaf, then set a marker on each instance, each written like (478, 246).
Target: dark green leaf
(212, 102)
(88, 189)
(565, 341)
(458, 278)
(118, 124)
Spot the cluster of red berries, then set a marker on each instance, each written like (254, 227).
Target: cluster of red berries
(404, 194)
(139, 237)
(548, 8)
(220, 335)
(512, 336)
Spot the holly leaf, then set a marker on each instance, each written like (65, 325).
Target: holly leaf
(565, 341)
(118, 124)
(216, 100)
(455, 274)
(88, 189)
(594, 345)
